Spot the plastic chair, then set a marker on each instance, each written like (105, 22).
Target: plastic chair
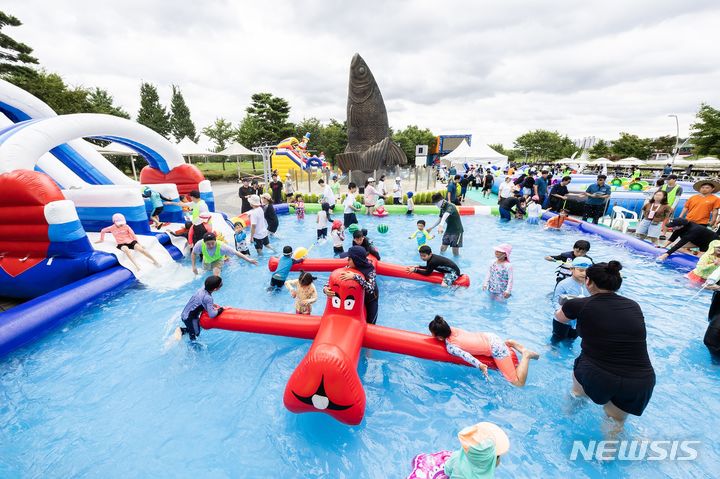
(621, 218)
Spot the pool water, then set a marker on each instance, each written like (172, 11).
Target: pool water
(109, 396)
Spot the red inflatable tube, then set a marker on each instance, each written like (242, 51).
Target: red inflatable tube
(466, 210)
(325, 265)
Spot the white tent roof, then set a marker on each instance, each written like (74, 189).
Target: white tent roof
(188, 147)
(629, 161)
(236, 149)
(600, 161)
(465, 153)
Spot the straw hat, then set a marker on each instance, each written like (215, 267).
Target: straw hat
(266, 196)
(711, 181)
(483, 431)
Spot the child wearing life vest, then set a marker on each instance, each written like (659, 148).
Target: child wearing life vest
(213, 254)
(499, 280)
(304, 292)
(466, 345)
(125, 238)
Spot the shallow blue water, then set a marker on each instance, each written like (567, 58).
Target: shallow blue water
(107, 397)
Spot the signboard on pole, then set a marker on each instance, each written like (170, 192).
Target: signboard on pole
(421, 152)
(420, 160)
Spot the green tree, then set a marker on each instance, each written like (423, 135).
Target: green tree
(315, 128)
(632, 145)
(601, 149)
(333, 139)
(706, 131)
(220, 132)
(14, 55)
(101, 101)
(511, 153)
(249, 133)
(663, 144)
(181, 125)
(544, 145)
(271, 114)
(412, 136)
(50, 88)
(152, 114)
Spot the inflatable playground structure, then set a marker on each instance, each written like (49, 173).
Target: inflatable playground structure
(292, 155)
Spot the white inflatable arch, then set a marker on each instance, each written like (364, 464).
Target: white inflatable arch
(22, 146)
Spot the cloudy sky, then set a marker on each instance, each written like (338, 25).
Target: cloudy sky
(494, 69)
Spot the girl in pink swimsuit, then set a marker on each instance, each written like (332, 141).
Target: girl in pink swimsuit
(466, 345)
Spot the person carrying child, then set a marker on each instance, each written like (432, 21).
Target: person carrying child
(201, 301)
(213, 254)
(125, 238)
(513, 206)
(337, 234)
(285, 264)
(304, 292)
(241, 238)
(421, 234)
(433, 262)
(499, 279)
(466, 345)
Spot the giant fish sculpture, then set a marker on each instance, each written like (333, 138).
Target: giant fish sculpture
(369, 147)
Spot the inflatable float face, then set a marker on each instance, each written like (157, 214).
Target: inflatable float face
(326, 380)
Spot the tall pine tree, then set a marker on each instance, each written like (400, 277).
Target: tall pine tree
(271, 114)
(152, 114)
(14, 55)
(181, 124)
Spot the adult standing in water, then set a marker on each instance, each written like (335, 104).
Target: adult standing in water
(613, 368)
(449, 215)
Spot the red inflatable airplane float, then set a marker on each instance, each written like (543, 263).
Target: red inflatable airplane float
(327, 380)
(325, 265)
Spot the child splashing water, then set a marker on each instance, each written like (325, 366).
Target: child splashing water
(304, 292)
(126, 239)
(465, 345)
(499, 280)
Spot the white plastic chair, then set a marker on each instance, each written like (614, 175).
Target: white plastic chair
(621, 218)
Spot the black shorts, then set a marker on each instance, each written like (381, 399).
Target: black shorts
(130, 245)
(454, 241)
(260, 242)
(157, 211)
(245, 252)
(322, 233)
(349, 219)
(278, 283)
(338, 249)
(630, 394)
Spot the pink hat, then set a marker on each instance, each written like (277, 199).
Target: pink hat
(504, 248)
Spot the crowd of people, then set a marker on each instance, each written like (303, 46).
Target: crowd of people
(613, 368)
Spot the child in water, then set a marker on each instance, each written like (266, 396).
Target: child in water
(421, 235)
(299, 207)
(304, 292)
(556, 222)
(241, 242)
(580, 249)
(410, 203)
(323, 218)
(201, 301)
(182, 232)
(534, 210)
(466, 345)
(337, 234)
(282, 271)
(126, 239)
(499, 280)
(571, 287)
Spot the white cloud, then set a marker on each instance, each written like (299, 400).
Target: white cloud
(495, 69)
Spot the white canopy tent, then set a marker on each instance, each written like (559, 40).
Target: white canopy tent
(236, 149)
(188, 147)
(478, 153)
(600, 161)
(629, 161)
(115, 149)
